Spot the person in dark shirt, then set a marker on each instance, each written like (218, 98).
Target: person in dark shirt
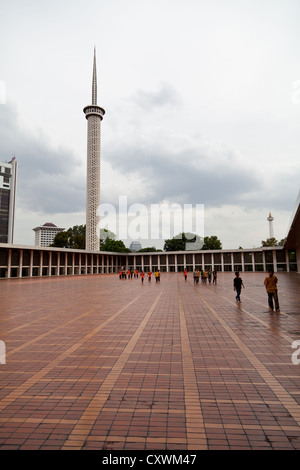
(237, 286)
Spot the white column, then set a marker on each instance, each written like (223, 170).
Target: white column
(20, 263)
(31, 263)
(9, 263)
(79, 263)
(50, 264)
(92, 264)
(287, 261)
(58, 264)
(274, 261)
(253, 262)
(41, 264)
(264, 261)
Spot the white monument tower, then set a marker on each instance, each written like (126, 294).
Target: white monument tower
(271, 231)
(94, 115)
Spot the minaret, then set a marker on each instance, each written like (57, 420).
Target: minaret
(271, 231)
(94, 115)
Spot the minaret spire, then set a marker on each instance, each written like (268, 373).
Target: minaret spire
(94, 86)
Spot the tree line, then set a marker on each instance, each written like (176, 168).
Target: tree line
(74, 238)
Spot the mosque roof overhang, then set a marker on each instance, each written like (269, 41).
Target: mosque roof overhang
(293, 236)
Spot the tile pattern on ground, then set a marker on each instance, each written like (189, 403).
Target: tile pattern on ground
(95, 362)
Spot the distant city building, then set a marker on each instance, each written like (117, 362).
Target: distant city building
(45, 234)
(135, 246)
(8, 186)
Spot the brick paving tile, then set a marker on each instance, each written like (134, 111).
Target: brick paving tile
(94, 362)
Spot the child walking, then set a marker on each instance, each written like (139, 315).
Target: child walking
(237, 286)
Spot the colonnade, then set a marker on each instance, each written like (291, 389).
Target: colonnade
(24, 261)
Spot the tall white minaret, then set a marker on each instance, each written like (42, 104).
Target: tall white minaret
(94, 115)
(271, 231)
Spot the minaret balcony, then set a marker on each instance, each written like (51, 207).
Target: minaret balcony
(94, 110)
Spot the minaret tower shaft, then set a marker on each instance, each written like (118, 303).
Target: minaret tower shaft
(94, 115)
(271, 230)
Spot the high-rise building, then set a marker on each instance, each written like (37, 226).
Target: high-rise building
(8, 186)
(45, 234)
(94, 115)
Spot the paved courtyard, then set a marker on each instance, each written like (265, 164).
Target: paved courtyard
(95, 362)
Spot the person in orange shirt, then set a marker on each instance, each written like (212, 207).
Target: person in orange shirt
(185, 274)
(149, 275)
(142, 276)
(271, 288)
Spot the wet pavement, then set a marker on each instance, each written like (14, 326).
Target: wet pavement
(95, 362)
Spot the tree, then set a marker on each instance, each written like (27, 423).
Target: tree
(174, 244)
(62, 240)
(78, 237)
(282, 242)
(184, 242)
(212, 243)
(114, 246)
(74, 238)
(104, 234)
(269, 242)
(78, 229)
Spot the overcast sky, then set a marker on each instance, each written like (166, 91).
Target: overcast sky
(202, 101)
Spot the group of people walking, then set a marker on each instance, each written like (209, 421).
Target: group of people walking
(209, 276)
(204, 275)
(130, 273)
(270, 283)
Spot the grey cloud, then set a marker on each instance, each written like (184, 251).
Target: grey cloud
(45, 174)
(199, 172)
(189, 175)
